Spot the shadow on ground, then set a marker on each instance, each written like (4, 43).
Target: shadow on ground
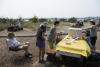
(21, 60)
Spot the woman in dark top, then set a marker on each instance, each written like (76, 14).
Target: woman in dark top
(40, 42)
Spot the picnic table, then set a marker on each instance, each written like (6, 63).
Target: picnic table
(70, 45)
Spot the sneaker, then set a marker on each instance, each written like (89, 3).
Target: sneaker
(28, 55)
(43, 61)
(40, 61)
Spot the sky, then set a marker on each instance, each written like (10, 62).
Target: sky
(49, 8)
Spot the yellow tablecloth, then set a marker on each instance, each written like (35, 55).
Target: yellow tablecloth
(78, 47)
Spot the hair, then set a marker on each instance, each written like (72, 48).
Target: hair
(93, 23)
(43, 28)
(56, 22)
(11, 34)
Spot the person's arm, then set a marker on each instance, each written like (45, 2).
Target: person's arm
(16, 42)
(90, 27)
(43, 35)
(55, 33)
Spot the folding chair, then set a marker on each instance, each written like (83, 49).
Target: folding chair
(10, 50)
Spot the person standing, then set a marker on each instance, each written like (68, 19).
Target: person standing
(40, 42)
(52, 35)
(93, 34)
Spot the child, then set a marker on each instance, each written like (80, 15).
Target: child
(14, 45)
(52, 35)
(40, 42)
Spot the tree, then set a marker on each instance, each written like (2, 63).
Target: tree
(72, 20)
(20, 19)
(3, 20)
(34, 19)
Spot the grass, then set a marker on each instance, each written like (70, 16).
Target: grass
(66, 24)
(33, 26)
(3, 26)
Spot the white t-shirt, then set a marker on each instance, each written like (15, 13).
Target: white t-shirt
(12, 42)
(18, 24)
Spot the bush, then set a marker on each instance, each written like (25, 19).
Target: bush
(72, 20)
(34, 19)
(5, 21)
(42, 20)
(63, 20)
(3, 26)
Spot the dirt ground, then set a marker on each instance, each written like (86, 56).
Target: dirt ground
(17, 59)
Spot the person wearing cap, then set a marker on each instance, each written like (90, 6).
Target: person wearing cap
(93, 33)
(40, 41)
(52, 35)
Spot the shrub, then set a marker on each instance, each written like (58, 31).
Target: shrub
(34, 19)
(72, 20)
(42, 20)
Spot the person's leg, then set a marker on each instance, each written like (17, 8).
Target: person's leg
(40, 53)
(95, 38)
(89, 42)
(27, 43)
(93, 41)
(51, 45)
(43, 52)
(25, 48)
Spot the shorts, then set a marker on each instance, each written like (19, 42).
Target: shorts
(51, 45)
(40, 43)
(93, 40)
(17, 48)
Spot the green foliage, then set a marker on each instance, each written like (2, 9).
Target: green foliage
(63, 20)
(72, 20)
(34, 19)
(86, 20)
(43, 20)
(3, 26)
(4, 22)
(20, 19)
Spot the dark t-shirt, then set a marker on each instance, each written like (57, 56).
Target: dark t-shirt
(40, 32)
(88, 32)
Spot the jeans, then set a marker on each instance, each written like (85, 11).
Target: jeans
(88, 41)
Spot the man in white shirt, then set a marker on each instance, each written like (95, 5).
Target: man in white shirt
(14, 45)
